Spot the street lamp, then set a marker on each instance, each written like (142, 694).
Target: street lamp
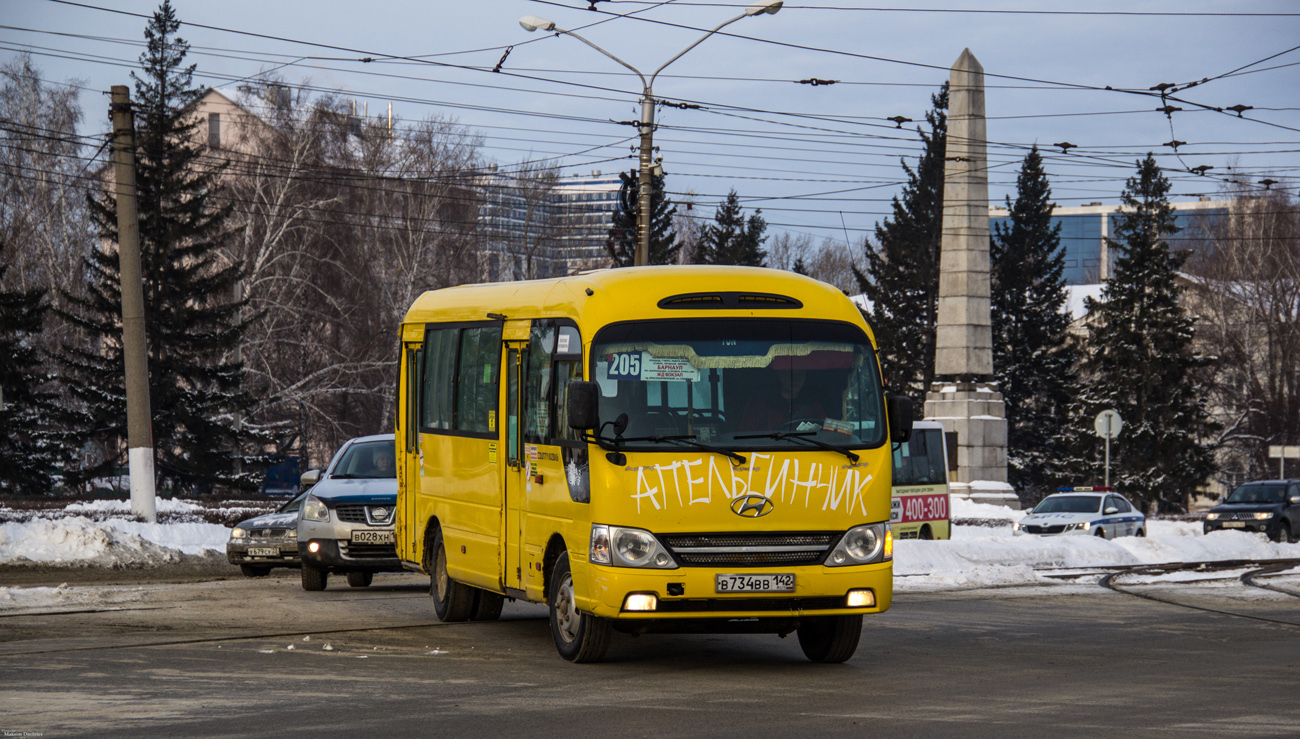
(533, 23)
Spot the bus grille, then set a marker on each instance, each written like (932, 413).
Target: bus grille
(750, 550)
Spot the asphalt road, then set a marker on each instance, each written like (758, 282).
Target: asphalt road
(262, 658)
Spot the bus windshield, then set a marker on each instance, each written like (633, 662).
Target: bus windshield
(769, 384)
(920, 461)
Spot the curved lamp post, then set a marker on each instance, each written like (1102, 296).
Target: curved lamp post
(533, 23)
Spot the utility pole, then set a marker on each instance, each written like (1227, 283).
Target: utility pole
(642, 253)
(138, 422)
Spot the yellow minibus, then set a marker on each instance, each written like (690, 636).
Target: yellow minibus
(649, 449)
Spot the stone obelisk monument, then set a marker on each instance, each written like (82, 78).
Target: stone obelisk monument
(964, 398)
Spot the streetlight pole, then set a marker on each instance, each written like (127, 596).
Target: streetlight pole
(647, 125)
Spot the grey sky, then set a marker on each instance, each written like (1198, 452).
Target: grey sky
(780, 145)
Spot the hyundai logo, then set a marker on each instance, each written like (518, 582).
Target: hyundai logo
(752, 506)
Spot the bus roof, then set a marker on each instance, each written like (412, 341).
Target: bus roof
(605, 296)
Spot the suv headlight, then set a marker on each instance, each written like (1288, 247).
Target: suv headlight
(238, 533)
(314, 510)
(1212, 517)
(862, 545)
(624, 547)
(1263, 515)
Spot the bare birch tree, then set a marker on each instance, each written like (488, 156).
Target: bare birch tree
(1246, 294)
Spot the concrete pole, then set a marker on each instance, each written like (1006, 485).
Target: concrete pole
(644, 181)
(139, 428)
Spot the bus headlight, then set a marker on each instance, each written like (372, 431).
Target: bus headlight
(624, 547)
(862, 545)
(314, 510)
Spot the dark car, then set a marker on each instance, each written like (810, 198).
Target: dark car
(1270, 506)
(346, 522)
(268, 541)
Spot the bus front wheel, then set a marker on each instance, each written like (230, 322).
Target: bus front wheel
(830, 639)
(579, 637)
(452, 601)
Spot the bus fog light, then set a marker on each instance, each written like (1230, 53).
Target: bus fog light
(861, 599)
(641, 602)
(313, 547)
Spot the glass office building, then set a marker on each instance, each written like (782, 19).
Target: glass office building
(1088, 258)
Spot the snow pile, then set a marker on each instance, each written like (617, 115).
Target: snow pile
(161, 505)
(113, 543)
(979, 556)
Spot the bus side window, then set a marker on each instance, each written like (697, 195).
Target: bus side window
(537, 394)
(439, 373)
(476, 382)
(565, 372)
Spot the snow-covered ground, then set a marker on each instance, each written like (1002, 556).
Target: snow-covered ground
(91, 534)
(984, 555)
(982, 552)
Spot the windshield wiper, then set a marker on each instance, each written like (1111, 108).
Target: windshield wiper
(687, 440)
(802, 436)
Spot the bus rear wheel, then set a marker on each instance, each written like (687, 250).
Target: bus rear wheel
(579, 637)
(830, 639)
(452, 601)
(487, 606)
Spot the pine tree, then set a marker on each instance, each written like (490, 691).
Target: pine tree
(731, 239)
(27, 458)
(1033, 359)
(799, 267)
(1140, 360)
(664, 245)
(902, 279)
(192, 319)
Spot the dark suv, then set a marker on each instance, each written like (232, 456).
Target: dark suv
(1270, 506)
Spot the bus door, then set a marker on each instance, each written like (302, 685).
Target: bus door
(409, 461)
(517, 469)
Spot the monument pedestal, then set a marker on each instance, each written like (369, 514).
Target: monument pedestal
(975, 413)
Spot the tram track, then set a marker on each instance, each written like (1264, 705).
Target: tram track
(1257, 569)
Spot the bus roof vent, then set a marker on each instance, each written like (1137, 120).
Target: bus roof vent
(728, 300)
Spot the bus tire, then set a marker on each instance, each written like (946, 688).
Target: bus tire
(314, 579)
(487, 606)
(579, 637)
(830, 639)
(452, 601)
(926, 533)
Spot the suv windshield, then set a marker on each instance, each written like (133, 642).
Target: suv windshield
(759, 384)
(367, 459)
(1257, 494)
(1069, 504)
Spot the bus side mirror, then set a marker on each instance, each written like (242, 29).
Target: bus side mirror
(309, 478)
(584, 400)
(900, 417)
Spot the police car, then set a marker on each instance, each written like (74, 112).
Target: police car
(1083, 512)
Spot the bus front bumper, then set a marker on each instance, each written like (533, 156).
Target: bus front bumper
(691, 592)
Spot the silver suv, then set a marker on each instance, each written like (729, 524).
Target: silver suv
(345, 523)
